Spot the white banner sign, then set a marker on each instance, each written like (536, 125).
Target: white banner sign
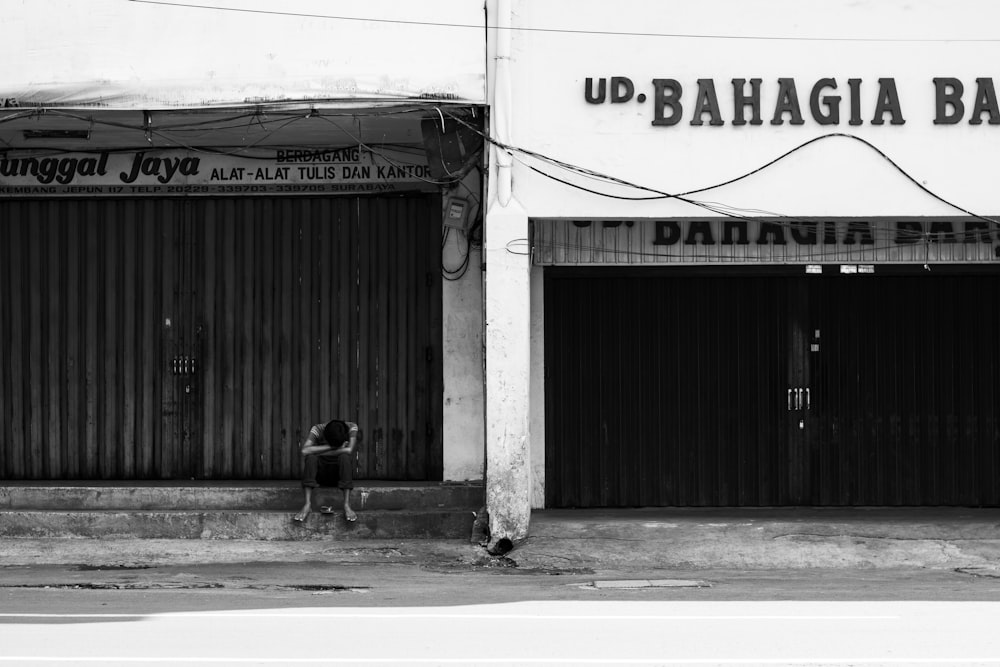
(159, 173)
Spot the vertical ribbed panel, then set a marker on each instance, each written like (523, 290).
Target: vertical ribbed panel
(664, 392)
(306, 310)
(905, 389)
(81, 346)
(291, 312)
(674, 390)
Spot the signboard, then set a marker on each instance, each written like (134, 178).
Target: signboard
(825, 101)
(805, 240)
(351, 170)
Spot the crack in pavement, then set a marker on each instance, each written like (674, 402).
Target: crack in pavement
(979, 572)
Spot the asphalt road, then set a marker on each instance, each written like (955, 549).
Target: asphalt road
(420, 614)
(521, 633)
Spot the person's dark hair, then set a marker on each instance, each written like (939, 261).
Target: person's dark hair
(335, 433)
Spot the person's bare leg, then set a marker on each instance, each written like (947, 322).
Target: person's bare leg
(348, 512)
(307, 507)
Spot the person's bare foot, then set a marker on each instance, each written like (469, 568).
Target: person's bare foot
(301, 516)
(349, 514)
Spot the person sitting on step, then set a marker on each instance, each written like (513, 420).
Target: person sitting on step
(328, 445)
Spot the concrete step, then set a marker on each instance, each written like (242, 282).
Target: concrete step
(235, 510)
(233, 495)
(235, 524)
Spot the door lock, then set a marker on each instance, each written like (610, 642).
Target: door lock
(799, 399)
(183, 365)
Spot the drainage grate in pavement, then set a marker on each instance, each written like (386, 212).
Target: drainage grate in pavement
(118, 586)
(314, 588)
(190, 585)
(653, 583)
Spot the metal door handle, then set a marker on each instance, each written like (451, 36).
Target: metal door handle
(789, 399)
(808, 402)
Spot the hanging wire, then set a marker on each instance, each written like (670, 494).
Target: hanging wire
(568, 31)
(683, 196)
(391, 161)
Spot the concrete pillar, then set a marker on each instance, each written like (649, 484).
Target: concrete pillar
(508, 314)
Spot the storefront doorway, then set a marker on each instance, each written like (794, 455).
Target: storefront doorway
(770, 388)
(201, 337)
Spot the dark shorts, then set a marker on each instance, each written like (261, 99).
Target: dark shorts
(328, 470)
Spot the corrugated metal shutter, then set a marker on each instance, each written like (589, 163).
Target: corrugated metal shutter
(81, 286)
(678, 390)
(664, 391)
(201, 338)
(905, 380)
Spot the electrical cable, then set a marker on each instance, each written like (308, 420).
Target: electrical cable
(513, 242)
(925, 239)
(570, 31)
(375, 151)
(241, 151)
(715, 207)
(866, 143)
(457, 274)
(791, 223)
(229, 123)
(782, 220)
(683, 195)
(162, 135)
(785, 221)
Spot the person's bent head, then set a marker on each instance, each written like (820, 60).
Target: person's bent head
(336, 433)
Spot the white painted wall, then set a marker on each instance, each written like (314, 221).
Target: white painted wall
(122, 54)
(463, 373)
(462, 346)
(832, 177)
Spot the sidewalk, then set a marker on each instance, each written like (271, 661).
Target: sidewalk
(767, 538)
(632, 539)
